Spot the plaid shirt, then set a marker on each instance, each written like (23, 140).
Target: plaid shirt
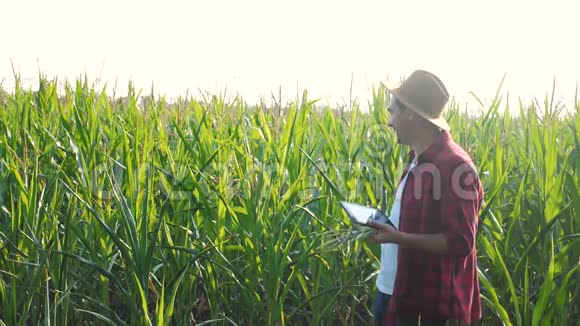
(443, 194)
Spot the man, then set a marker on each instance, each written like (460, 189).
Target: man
(436, 278)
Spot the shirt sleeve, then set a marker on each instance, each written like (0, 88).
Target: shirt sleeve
(460, 209)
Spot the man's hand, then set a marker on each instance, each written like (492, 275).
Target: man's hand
(384, 232)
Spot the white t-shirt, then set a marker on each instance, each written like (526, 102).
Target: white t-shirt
(388, 272)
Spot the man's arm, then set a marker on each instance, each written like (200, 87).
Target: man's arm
(435, 243)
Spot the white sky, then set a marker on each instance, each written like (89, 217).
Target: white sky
(253, 47)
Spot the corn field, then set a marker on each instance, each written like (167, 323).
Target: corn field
(124, 211)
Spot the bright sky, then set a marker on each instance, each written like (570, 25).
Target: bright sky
(254, 47)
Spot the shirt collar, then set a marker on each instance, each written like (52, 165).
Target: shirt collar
(430, 154)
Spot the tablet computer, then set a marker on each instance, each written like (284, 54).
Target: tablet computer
(361, 214)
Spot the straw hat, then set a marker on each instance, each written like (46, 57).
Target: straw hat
(424, 93)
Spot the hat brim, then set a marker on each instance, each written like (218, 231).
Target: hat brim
(393, 88)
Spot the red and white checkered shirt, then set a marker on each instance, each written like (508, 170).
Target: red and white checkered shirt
(443, 194)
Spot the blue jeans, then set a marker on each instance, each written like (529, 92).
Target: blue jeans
(380, 307)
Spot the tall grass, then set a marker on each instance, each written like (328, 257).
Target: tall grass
(121, 211)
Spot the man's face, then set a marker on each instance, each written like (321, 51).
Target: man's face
(401, 120)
